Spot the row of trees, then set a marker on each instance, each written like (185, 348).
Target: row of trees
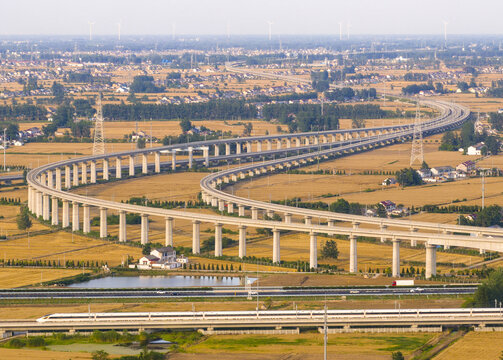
(212, 110)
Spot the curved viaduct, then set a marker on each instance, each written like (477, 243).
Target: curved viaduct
(50, 184)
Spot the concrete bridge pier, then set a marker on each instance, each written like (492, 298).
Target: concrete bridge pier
(217, 150)
(173, 160)
(214, 202)
(68, 176)
(254, 213)
(30, 198)
(227, 149)
(259, 146)
(38, 203)
(288, 218)
(218, 240)
(169, 231)
(221, 205)
(75, 216)
(331, 223)
(279, 144)
(118, 167)
(191, 156)
(206, 155)
(105, 173)
(122, 226)
(238, 148)
(144, 229)
(313, 251)
(157, 162)
(230, 208)
(395, 265)
(54, 215)
(248, 147)
(276, 246)
(93, 172)
(83, 176)
(308, 220)
(103, 223)
(46, 206)
(195, 237)
(353, 256)
(431, 261)
(268, 144)
(131, 165)
(86, 225)
(241, 210)
(383, 228)
(242, 241)
(269, 214)
(50, 179)
(75, 174)
(66, 214)
(58, 178)
(144, 163)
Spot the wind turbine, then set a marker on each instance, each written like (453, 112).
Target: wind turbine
(91, 24)
(270, 29)
(348, 27)
(119, 31)
(445, 32)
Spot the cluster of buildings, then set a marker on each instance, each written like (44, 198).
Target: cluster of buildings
(163, 258)
(22, 136)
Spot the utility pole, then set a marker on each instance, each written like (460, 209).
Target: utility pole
(4, 146)
(325, 334)
(483, 174)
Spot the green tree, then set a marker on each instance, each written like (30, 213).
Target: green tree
(248, 127)
(381, 211)
(23, 219)
(329, 250)
(58, 91)
(408, 177)
(147, 248)
(397, 356)
(12, 131)
(81, 129)
(489, 291)
(100, 355)
(425, 166)
(140, 144)
(185, 125)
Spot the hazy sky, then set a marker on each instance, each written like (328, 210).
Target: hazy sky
(250, 17)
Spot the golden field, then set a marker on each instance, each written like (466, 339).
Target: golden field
(475, 345)
(17, 277)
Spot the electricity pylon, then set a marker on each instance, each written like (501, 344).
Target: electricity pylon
(99, 137)
(417, 140)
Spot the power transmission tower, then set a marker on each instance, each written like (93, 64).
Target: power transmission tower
(99, 137)
(417, 141)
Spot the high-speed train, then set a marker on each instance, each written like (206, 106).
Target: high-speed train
(283, 314)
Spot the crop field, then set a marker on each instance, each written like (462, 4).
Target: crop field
(370, 346)
(16, 277)
(25, 354)
(8, 224)
(475, 345)
(62, 246)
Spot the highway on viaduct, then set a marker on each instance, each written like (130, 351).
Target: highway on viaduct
(49, 185)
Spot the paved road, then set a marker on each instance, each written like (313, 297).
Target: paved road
(230, 292)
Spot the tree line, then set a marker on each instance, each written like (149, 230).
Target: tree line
(212, 110)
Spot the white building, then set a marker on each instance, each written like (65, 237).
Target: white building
(475, 150)
(161, 258)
